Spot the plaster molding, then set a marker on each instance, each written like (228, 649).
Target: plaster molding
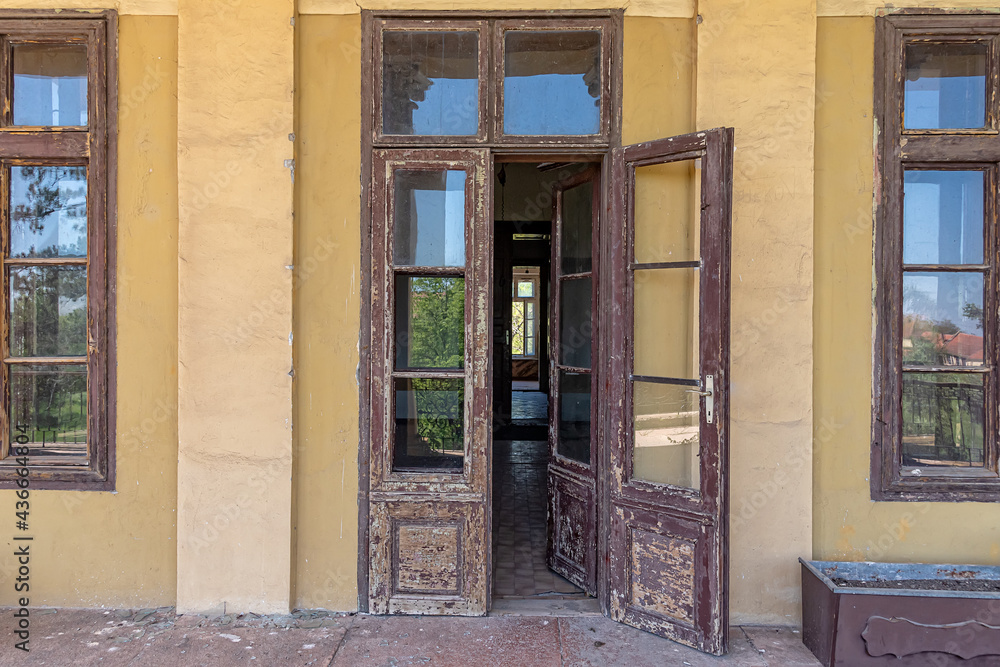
(124, 7)
(871, 7)
(684, 9)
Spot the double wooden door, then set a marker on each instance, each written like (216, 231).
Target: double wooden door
(638, 499)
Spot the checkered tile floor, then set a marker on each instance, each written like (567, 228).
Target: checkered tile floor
(519, 512)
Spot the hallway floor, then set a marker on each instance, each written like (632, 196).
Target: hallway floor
(519, 515)
(156, 637)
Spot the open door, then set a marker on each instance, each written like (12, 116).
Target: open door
(572, 539)
(667, 413)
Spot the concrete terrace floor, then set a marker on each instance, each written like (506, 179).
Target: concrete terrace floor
(157, 637)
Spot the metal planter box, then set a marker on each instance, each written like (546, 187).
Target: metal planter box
(901, 614)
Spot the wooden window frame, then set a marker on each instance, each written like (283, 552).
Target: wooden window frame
(534, 279)
(900, 149)
(93, 146)
(492, 27)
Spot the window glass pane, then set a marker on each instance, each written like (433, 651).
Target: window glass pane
(48, 311)
(666, 434)
(48, 408)
(429, 430)
(429, 217)
(517, 326)
(552, 82)
(574, 416)
(50, 84)
(577, 228)
(943, 319)
(945, 86)
(48, 212)
(943, 217)
(943, 418)
(525, 289)
(575, 326)
(430, 83)
(430, 322)
(667, 212)
(665, 320)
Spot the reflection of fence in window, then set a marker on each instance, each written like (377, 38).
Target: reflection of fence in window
(51, 402)
(943, 421)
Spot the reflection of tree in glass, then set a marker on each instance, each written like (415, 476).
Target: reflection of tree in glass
(440, 407)
(47, 192)
(437, 322)
(51, 404)
(437, 340)
(48, 313)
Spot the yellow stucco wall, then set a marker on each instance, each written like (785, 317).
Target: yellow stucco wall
(327, 310)
(847, 524)
(235, 235)
(755, 72)
(119, 549)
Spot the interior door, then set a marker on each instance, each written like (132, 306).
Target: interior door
(573, 404)
(431, 385)
(667, 427)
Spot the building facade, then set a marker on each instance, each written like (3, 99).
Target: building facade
(240, 160)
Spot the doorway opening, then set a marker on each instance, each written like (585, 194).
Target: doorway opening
(527, 200)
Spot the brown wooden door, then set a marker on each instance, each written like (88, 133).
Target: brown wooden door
(667, 427)
(573, 403)
(431, 385)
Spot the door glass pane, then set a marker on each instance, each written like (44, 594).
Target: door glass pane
(48, 406)
(943, 419)
(667, 212)
(942, 217)
(429, 428)
(577, 228)
(48, 211)
(666, 434)
(430, 83)
(430, 322)
(517, 327)
(429, 218)
(575, 325)
(666, 336)
(50, 84)
(552, 82)
(574, 416)
(943, 319)
(945, 86)
(529, 328)
(48, 311)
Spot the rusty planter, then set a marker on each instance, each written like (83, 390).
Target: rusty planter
(853, 615)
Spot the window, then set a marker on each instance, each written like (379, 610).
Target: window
(936, 398)
(505, 80)
(57, 180)
(524, 308)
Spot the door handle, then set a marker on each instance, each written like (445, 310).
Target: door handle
(709, 394)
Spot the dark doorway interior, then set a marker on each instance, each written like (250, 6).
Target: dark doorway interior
(522, 241)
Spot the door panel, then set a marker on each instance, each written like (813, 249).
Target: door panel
(667, 487)
(431, 385)
(573, 425)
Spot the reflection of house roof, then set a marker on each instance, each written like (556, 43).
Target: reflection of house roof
(964, 346)
(960, 347)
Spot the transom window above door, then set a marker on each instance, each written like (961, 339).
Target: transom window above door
(509, 81)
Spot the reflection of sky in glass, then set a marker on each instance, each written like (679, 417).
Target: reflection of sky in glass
(63, 232)
(441, 223)
(941, 297)
(943, 217)
(549, 104)
(946, 102)
(50, 100)
(449, 107)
